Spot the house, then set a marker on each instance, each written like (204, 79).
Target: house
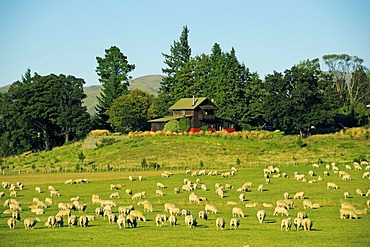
(200, 112)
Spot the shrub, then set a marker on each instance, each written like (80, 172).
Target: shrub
(172, 126)
(301, 143)
(184, 124)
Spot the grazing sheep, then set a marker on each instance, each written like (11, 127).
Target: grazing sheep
(299, 195)
(30, 223)
(121, 222)
(84, 221)
(231, 203)
(193, 198)
(13, 193)
(190, 221)
(159, 220)
(261, 215)
(11, 222)
(16, 215)
(331, 186)
(203, 187)
(176, 190)
(210, 208)
(348, 167)
(326, 173)
(220, 223)
(346, 177)
(174, 211)
(307, 204)
(315, 166)
(359, 192)
(51, 221)
(160, 186)
(286, 223)
(54, 193)
(251, 205)
(286, 195)
(237, 212)
(167, 206)
(172, 220)
(307, 224)
(202, 215)
(267, 205)
(280, 210)
(346, 195)
(72, 221)
(242, 197)
(139, 215)
(260, 187)
(130, 178)
(301, 215)
(82, 207)
(114, 195)
(159, 193)
(131, 221)
(38, 190)
(148, 207)
(37, 211)
(366, 175)
(234, 223)
(65, 212)
(347, 205)
(297, 223)
(345, 213)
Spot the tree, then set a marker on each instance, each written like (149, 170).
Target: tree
(351, 81)
(300, 99)
(184, 124)
(180, 55)
(132, 111)
(113, 72)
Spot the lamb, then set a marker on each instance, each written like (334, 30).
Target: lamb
(261, 215)
(159, 220)
(139, 215)
(301, 215)
(299, 195)
(190, 221)
(128, 191)
(210, 208)
(231, 203)
(366, 175)
(260, 187)
(131, 221)
(30, 223)
(251, 205)
(148, 207)
(51, 221)
(280, 210)
(346, 195)
(237, 212)
(172, 220)
(72, 221)
(203, 187)
(307, 224)
(242, 197)
(193, 198)
(11, 222)
(220, 223)
(176, 190)
(114, 195)
(202, 215)
(167, 206)
(347, 213)
(38, 190)
(234, 223)
(307, 204)
(286, 223)
(331, 185)
(359, 192)
(286, 195)
(174, 211)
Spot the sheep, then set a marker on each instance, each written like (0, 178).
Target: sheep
(193, 198)
(260, 187)
(231, 203)
(326, 173)
(138, 195)
(281, 203)
(11, 222)
(202, 215)
(307, 224)
(186, 187)
(203, 187)
(315, 166)
(311, 173)
(280, 210)
(38, 211)
(81, 207)
(72, 221)
(160, 186)
(228, 186)
(131, 221)
(220, 223)
(140, 178)
(359, 192)
(299, 195)
(99, 132)
(159, 193)
(128, 191)
(348, 167)
(286, 223)
(172, 220)
(16, 215)
(167, 206)
(267, 205)
(13, 193)
(176, 190)
(210, 208)
(130, 178)
(51, 221)
(139, 215)
(366, 175)
(65, 212)
(190, 221)
(346, 177)
(301, 215)
(121, 222)
(261, 215)
(84, 221)
(148, 207)
(364, 211)
(331, 185)
(242, 197)
(346, 195)
(38, 190)
(237, 212)
(297, 223)
(347, 213)
(234, 223)
(286, 195)
(347, 205)
(54, 193)
(251, 205)
(30, 223)
(307, 204)
(174, 211)
(159, 220)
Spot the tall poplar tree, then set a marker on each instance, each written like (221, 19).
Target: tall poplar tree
(113, 71)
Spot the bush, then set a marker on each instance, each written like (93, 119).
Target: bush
(172, 126)
(184, 124)
(301, 143)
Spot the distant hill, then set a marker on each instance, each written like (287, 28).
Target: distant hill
(149, 83)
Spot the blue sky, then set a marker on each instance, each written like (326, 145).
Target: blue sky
(66, 36)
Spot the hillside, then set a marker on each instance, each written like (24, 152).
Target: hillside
(149, 83)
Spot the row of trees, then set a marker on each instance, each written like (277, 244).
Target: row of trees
(40, 112)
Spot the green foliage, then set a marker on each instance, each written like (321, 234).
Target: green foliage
(201, 164)
(184, 124)
(301, 143)
(113, 72)
(132, 111)
(144, 164)
(172, 126)
(81, 157)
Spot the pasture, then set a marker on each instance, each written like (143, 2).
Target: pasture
(328, 229)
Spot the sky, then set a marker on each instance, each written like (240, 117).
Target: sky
(66, 36)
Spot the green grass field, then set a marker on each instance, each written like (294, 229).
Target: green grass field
(328, 228)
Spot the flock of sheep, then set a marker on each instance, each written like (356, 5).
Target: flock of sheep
(170, 214)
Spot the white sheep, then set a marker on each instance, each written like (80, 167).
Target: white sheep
(210, 208)
(148, 207)
(261, 215)
(237, 212)
(231, 203)
(260, 187)
(159, 220)
(51, 221)
(286, 195)
(242, 197)
(121, 222)
(331, 185)
(301, 215)
(299, 195)
(347, 213)
(359, 192)
(366, 175)
(138, 214)
(159, 193)
(307, 224)
(160, 186)
(172, 220)
(193, 198)
(72, 221)
(190, 221)
(176, 190)
(202, 215)
(167, 206)
(131, 221)
(348, 167)
(234, 223)
(267, 205)
(11, 222)
(286, 223)
(280, 210)
(30, 223)
(346, 194)
(220, 223)
(297, 223)
(251, 205)
(174, 211)
(84, 221)
(307, 204)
